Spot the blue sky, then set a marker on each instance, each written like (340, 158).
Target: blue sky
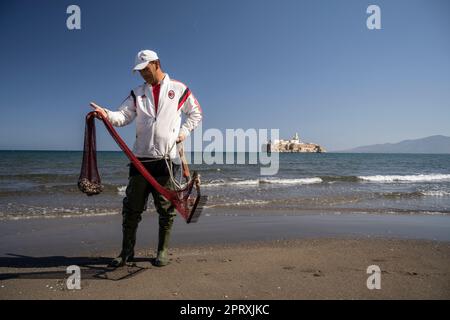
(311, 67)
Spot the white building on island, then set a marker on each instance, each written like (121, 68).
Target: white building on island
(293, 145)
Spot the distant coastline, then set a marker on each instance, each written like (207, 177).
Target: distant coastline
(437, 144)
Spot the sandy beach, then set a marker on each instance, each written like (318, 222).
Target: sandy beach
(329, 262)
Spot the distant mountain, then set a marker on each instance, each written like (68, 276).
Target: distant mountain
(433, 144)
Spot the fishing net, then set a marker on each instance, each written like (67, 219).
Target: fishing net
(186, 199)
(89, 181)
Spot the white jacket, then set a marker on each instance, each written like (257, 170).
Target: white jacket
(157, 133)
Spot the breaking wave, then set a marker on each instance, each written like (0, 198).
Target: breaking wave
(406, 178)
(52, 214)
(244, 202)
(436, 193)
(292, 181)
(255, 182)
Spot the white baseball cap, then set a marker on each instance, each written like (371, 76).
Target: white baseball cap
(143, 58)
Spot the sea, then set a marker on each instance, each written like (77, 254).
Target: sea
(43, 184)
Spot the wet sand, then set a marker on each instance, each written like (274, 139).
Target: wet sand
(288, 257)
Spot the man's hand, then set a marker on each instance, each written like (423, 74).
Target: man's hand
(180, 138)
(99, 110)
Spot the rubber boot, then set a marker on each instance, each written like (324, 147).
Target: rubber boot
(165, 226)
(127, 253)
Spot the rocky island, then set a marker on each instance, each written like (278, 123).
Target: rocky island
(293, 145)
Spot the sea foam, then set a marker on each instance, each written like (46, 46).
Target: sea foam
(406, 178)
(255, 182)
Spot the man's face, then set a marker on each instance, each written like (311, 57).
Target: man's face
(149, 73)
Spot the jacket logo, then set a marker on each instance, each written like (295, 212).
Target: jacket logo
(171, 94)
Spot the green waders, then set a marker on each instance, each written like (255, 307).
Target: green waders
(134, 204)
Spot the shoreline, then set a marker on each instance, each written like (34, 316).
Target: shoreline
(80, 235)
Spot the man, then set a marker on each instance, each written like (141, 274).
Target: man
(157, 106)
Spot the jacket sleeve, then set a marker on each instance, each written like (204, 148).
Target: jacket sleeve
(194, 114)
(124, 115)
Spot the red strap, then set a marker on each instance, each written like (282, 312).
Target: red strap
(170, 195)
